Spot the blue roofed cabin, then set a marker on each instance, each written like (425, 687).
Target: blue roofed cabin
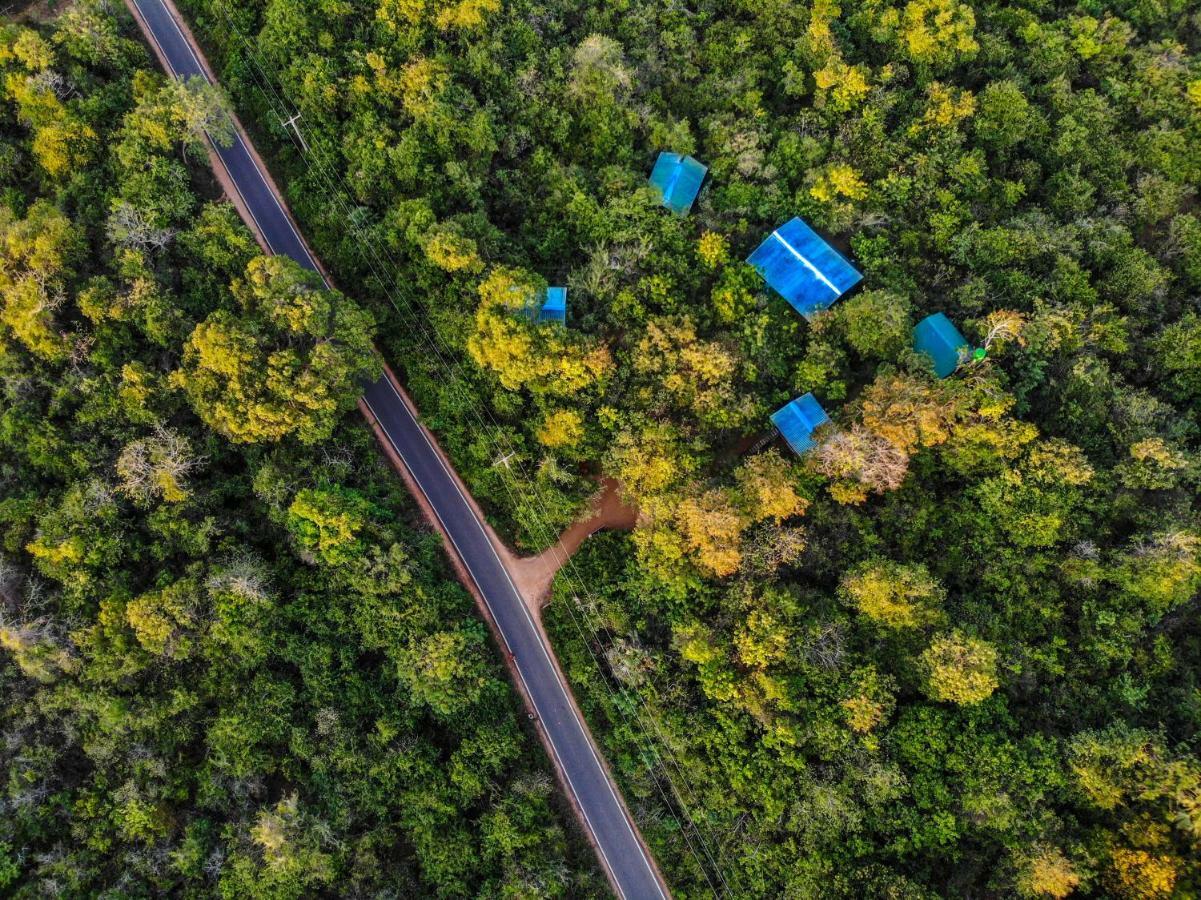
(938, 338)
(803, 268)
(554, 305)
(678, 179)
(798, 420)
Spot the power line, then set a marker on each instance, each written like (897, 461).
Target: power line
(454, 368)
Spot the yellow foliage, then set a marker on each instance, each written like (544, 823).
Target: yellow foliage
(1047, 873)
(420, 84)
(768, 489)
(646, 463)
(960, 669)
(694, 374)
(1003, 326)
(935, 32)
(761, 640)
(453, 252)
(69, 551)
(544, 359)
(945, 107)
(695, 644)
(712, 527)
(272, 831)
(841, 86)
(157, 619)
(713, 249)
(838, 180)
(907, 411)
(863, 713)
(1142, 875)
(29, 311)
(1194, 91)
(36, 654)
(1056, 462)
(893, 594)
(467, 15)
(33, 51)
(393, 13)
(562, 428)
(1155, 450)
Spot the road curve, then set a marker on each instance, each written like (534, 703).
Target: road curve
(629, 867)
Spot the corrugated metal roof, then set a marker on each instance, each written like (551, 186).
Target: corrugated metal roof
(678, 178)
(938, 338)
(798, 420)
(554, 305)
(802, 268)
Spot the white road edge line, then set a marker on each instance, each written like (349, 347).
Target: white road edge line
(237, 139)
(538, 637)
(454, 482)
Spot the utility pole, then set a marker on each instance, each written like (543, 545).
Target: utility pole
(291, 123)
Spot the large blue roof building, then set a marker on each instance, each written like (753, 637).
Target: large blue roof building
(678, 178)
(798, 420)
(938, 338)
(803, 269)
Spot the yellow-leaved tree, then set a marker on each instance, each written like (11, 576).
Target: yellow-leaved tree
(541, 358)
(289, 363)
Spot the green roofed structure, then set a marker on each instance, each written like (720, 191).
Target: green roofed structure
(678, 179)
(798, 420)
(938, 338)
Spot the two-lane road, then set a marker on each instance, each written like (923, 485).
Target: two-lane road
(627, 864)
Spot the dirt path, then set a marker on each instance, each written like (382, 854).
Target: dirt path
(533, 574)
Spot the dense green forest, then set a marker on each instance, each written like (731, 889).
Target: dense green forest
(233, 661)
(953, 651)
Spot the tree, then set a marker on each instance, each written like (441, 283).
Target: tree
(960, 669)
(892, 594)
(444, 669)
(289, 363)
(36, 256)
(326, 523)
(858, 462)
(768, 485)
(1046, 872)
(190, 112)
(1003, 115)
(1179, 356)
(876, 323)
(156, 467)
(542, 359)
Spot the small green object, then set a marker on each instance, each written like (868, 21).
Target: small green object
(979, 353)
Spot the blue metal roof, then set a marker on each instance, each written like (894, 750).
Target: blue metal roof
(554, 306)
(678, 178)
(938, 338)
(798, 420)
(802, 268)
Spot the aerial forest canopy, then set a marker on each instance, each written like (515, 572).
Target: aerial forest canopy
(232, 659)
(954, 650)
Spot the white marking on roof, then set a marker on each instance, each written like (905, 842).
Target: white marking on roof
(808, 265)
(675, 177)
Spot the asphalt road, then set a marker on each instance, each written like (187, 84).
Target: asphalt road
(629, 868)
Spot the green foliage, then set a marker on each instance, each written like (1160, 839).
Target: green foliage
(1024, 530)
(229, 669)
(878, 699)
